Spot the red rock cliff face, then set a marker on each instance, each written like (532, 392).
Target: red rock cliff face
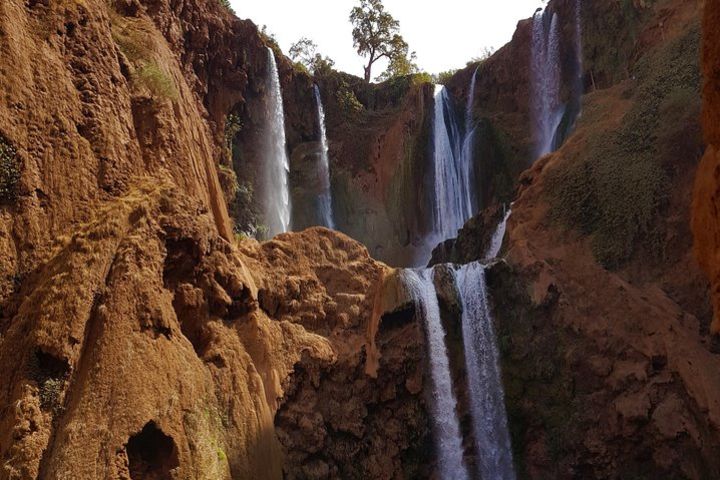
(705, 222)
(138, 340)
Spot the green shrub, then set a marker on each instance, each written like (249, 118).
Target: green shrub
(349, 103)
(159, 83)
(9, 172)
(618, 187)
(233, 126)
(226, 4)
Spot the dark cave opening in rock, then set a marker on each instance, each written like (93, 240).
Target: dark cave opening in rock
(152, 454)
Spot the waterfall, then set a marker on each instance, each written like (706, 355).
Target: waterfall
(275, 161)
(546, 109)
(498, 236)
(325, 197)
(452, 203)
(446, 427)
(448, 205)
(487, 399)
(466, 161)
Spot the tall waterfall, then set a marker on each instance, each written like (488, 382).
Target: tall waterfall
(546, 109)
(276, 197)
(446, 428)
(487, 398)
(466, 162)
(325, 196)
(452, 171)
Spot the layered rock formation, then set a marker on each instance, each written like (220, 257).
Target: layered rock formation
(138, 340)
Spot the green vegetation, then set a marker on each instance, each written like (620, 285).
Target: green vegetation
(347, 100)
(159, 83)
(443, 78)
(226, 4)
(306, 57)
(376, 36)
(9, 172)
(233, 126)
(618, 188)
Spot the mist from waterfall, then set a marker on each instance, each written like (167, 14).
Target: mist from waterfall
(276, 195)
(325, 195)
(486, 394)
(546, 108)
(445, 424)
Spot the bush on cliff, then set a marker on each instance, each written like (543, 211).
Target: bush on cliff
(617, 189)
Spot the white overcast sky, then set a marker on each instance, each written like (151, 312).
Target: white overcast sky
(445, 34)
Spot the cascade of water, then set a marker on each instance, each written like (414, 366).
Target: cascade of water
(325, 197)
(546, 108)
(451, 205)
(466, 158)
(275, 162)
(487, 400)
(498, 236)
(446, 427)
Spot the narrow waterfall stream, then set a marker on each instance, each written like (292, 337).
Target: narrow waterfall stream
(450, 206)
(487, 398)
(496, 240)
(446, 427)
(325, 196)
(277, 166)
(546, 108)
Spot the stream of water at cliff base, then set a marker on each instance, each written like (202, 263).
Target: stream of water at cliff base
(446, 428)
(487, 398)
(325, 196)
(275, 159)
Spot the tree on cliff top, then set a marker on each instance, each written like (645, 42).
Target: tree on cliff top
(304, 53)
(375, 35)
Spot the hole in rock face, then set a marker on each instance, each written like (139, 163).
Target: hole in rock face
(397, 319)
(182, 257)
(152, 455)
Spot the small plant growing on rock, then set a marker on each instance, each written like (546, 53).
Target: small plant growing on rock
(9, 172)
(349, 103)
(233, 125)
(226, 4)
(156, 80)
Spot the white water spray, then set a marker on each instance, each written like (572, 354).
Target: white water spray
(498, 236)
(325, 197)
(546, 109)
(446, 428)
(487, 398)
(275, 162)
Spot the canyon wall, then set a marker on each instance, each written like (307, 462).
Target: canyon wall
(601, 309)
(138, 340)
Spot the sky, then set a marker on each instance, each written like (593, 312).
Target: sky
(444, 38)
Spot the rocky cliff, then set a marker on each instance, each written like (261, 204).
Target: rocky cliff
(705, 219)
(601, 309)
(138, 340)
